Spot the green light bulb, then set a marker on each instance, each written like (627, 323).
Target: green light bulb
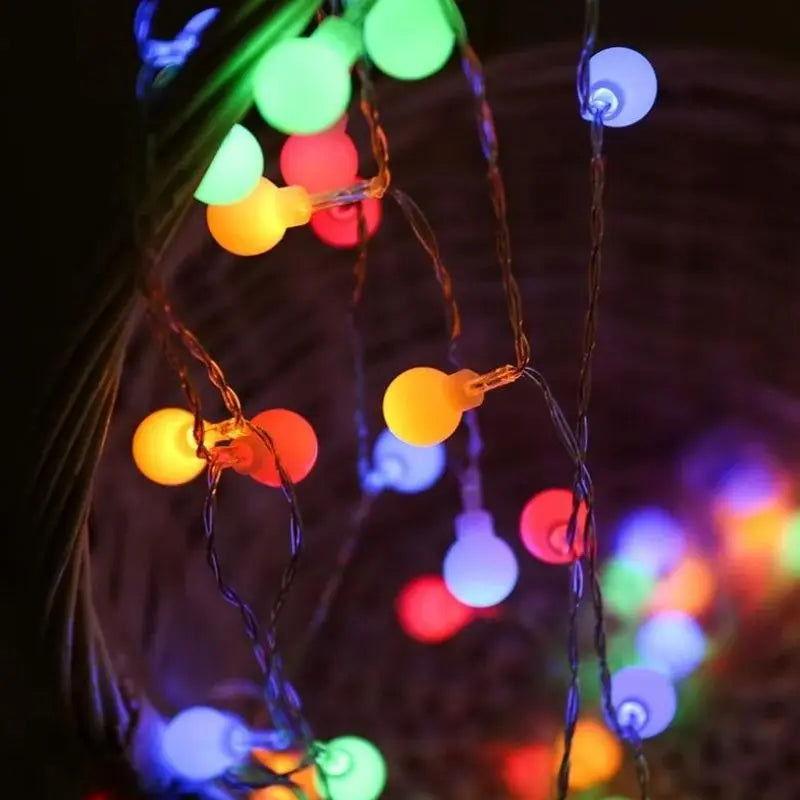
(234, 171)
(354, 769)
(626, 588)
(408, 39)
(303, 85)
(790, 547)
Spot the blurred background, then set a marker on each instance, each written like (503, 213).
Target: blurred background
(695, 424)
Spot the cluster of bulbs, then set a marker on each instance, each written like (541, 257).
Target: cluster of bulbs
(202, 743)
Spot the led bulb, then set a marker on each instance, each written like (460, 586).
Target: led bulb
(543, 527)
(423, 406)
(643, 700)
(164, 449)
(428, 612)
(626, 587)
(408, 39)
(596, 755)
(671, 642)
(651, 539)
(234, 171)
(403, 467)
(320, 162)
(201, 743)
(354, 769)
(338, 226)
(480, 569)
(689, 587)
(257, 223)
(295, 442)
(623, 83)
(302, 85)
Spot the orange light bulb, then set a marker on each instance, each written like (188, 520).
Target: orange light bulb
(164, 449)
(689, 588)
(283, 763)
(423, 406)
(257, 223)
(596, 755)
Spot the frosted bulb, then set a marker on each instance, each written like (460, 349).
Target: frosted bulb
(408, 39)
(643, 699)
(320, 162)
(234, 171)
(480, 569)
(671, 642)
(428, 612)
(354, 769)
(423, 406)
(302, 85)
(626, 587)
(623, 82)
(338, 226)
(596, 755)
(543, 526)
(200, 743)
(403, 467)
(164, 449)
(651, 539)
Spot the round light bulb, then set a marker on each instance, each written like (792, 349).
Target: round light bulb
(428, 612)
(626, 587)
(408, 39)
(257, 223)
(338, 226)
(405, 468)
(689, 587)
(302, 85)
(164, 449)
(643, 699)
(295, 442)
(354, 769)
(671, 642)
(479, 568)
(423, 406)
(544, 523)
(651, 539)
(596, 755)
(527, 771)
(200, 743)
(320, 162)
(234, 171)
(623, 83)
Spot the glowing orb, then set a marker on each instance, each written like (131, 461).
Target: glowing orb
(320, 162)
(596, 755)
(652, 539)
(234, 171)
(672, 642)
(164, 449)
(354, 769)
(403, 467)
(338, 226)
(527, 771)
(644, 700)
(626, 588)
(295, 442)
(689, 587)
(428, 612)
(543, 527)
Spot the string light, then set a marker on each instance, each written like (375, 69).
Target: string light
(234, 171)
(302, 85)
(403, 467)
(354, 769)
(338, 226)
(644, 700)
(320, 162)
(164, 449)
(672, 642)
(256, 224)
(543, 527)
(596, 755)
(627, 589)
(408, 39)
(651, 539)
(423, 406)
(480, 569)
(428, 612)
(623, 85)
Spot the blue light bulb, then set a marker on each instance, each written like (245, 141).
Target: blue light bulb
(672, 642)
(643, 699)
(748, 486)
(200, 743)
(480, 569)
(651, 539)
(403, 467)
(624, 83)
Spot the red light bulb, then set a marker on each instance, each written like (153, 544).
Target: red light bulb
(338, 226)
(295, 442)
(321, 162)
(428, 612)
(527, 771)
(543, 526)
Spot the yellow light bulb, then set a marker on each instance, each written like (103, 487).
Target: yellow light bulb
(164, 449)
(423, 406)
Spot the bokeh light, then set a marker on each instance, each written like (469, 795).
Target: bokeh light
(164, 449)
(354, 769)
(543, 526)
(672, 642)
(596, 754)
(403, 467)
(320, 162)
(283, 763)
(748, 486)
(626, 587)
(338, 226)
(652, 539)
(789, 554)
(644, 699)
(295, 443)
(689, 587)
(428, 611)
(527, 771)
(234, 171)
